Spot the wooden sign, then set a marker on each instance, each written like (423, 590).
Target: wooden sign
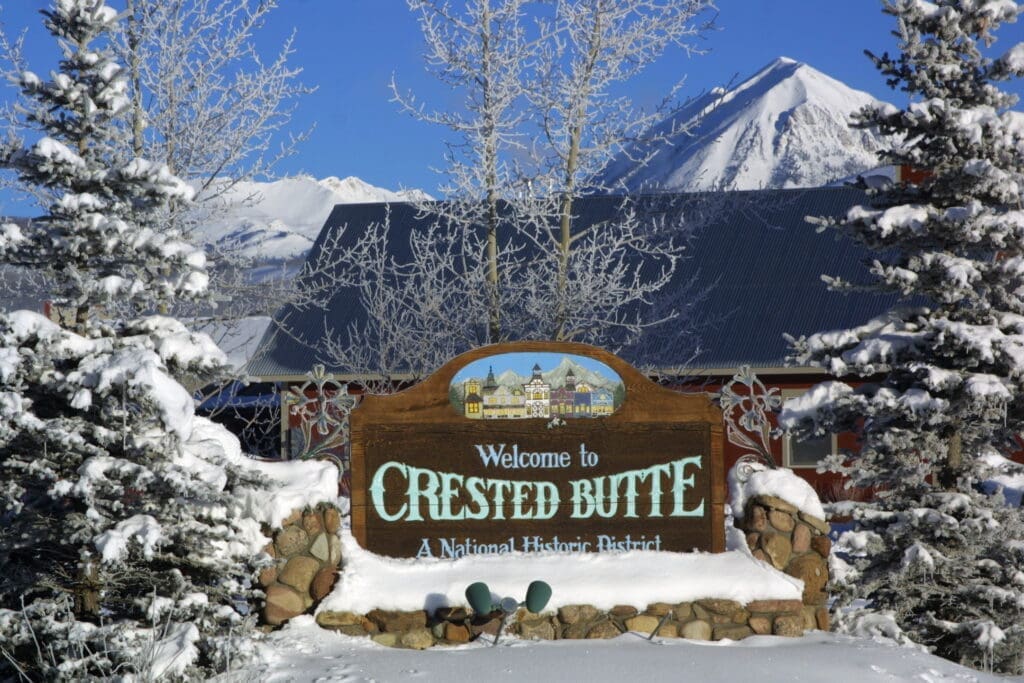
(536, 446)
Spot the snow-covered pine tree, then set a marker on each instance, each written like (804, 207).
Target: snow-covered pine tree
(117, 502)
(941, 396)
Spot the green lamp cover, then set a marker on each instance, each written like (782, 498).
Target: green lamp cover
(478, 595)
(537, 596)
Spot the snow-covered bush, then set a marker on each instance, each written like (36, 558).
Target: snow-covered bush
(943, 377)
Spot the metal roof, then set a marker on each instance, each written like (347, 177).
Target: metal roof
(763, 258)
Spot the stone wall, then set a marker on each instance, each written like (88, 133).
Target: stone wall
(795, 543)
(307, 554)
(699, 620)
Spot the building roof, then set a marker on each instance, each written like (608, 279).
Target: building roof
(762, 260)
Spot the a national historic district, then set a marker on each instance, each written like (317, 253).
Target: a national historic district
(719, 377)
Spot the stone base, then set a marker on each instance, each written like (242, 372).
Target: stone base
(701, 620)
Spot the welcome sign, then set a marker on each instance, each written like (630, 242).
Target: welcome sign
(532, 447)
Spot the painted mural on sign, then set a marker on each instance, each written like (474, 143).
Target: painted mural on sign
(515, 386)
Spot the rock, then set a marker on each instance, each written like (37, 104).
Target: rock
(269, 549)
(724, 607)
(488, 625)
(778, 549)
(603, 629)
(292, 518)
(417, 639)
(789, 625)
(623, 611)
(783, 521)
(392, 621)
(821, 545)
(731, 632)
(282, 603)
(752, 539)
(576, 631)
(332, 520)
(670, 629)
(451, 614)
(571, 614)
(299, 573)
(323, 582)
(536, 628)
(658, 609)
(760, 555)
(698, 629)
(821, 525)
(776, 503)
(356, 630)
(386, 639)
(758, 518)
(267, 575)
(312, 523)
(821, 617)
(812, 570)
(683, 610)
(740, 617)
(319, 548)
(801, 539)
(701, 613)
(774, 606)
(456, 633)
(809, 618)
(643, 623)
(291, 541)
(333, 550)
(762, 626)
(331, 619)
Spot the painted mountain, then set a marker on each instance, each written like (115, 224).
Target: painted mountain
(785, 126)
(556, 377)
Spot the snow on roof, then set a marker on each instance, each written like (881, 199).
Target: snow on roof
(637, 577)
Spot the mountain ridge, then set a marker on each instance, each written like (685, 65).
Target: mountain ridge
(783, 127)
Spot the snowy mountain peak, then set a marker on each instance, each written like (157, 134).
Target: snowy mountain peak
(785, 126)
(279, 220)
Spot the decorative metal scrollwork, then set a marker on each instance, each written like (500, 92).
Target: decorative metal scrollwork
(322, 406)
(746, 414)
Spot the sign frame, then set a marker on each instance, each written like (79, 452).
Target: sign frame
(647, 406)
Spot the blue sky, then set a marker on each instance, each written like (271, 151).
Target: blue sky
(350, 48)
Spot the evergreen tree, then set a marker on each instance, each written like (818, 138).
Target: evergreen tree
(117, 502)
(942, 392)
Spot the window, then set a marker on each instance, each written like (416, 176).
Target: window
(809, 452)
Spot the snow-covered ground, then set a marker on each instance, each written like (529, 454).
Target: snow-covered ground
(302, 651)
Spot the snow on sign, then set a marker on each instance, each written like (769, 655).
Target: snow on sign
(639, 468)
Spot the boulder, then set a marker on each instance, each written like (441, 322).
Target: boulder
(783, 521)
(332, 520)
(731, 632)
(282, 603)
(642, 623)
(323, 582)
(299, 573)
(698, 629)
(603, 630)
(801, 539)
(812, 570)
(291, 541)
(392, 621)
(789, 625)
(319, 548)
(417, 639)
(778, 549)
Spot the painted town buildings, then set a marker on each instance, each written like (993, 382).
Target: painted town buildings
(489, 400)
